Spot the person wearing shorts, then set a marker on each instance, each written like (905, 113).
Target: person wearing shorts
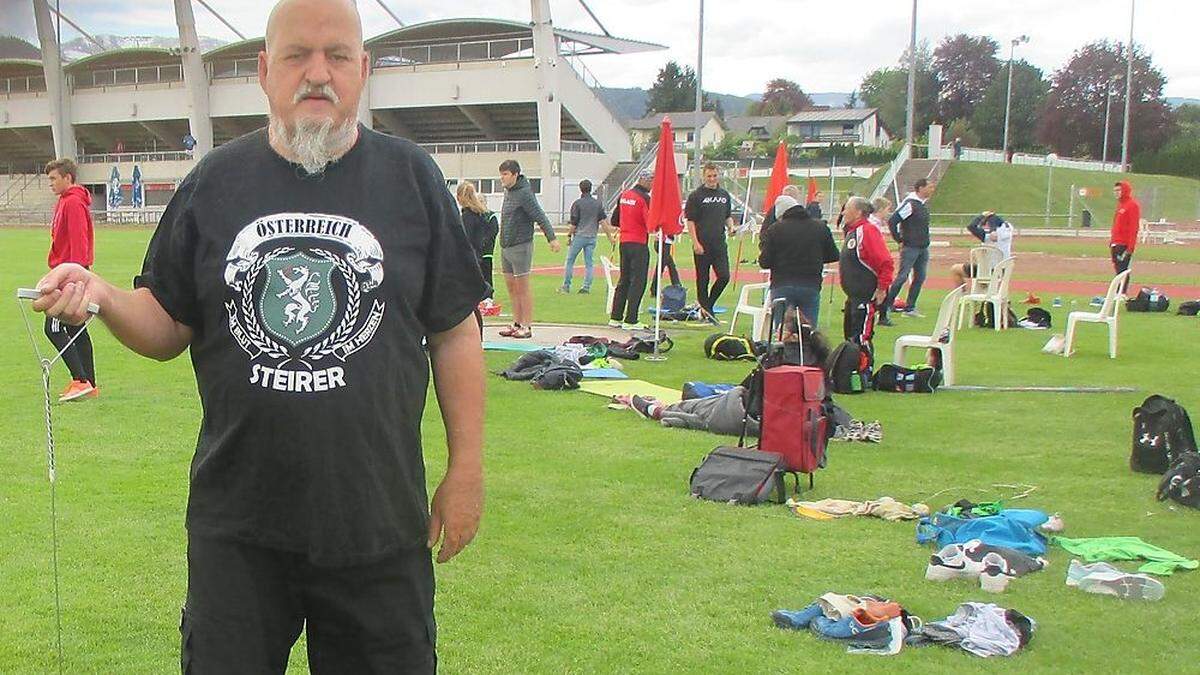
(517, 216)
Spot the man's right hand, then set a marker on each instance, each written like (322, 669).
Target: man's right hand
(697, 247)
(66, 292)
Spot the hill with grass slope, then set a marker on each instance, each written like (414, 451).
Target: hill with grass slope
(1019, 192)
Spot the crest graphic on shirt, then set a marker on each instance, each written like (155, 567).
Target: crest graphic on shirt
(303, 287)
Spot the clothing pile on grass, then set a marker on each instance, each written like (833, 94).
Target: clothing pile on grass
(564, 366)
(872, 624)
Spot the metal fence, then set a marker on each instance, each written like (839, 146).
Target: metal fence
(453, 52)
(120, 77)
(482, 146)
(22, 85)
(136, 157)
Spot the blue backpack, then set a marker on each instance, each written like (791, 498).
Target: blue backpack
(674, 298)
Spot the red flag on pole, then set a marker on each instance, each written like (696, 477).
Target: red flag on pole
(666, 199)
(779, 177)
(812, 191)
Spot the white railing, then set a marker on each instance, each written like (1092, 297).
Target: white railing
(121, 77)
(481, 146)
(587, 76)
(22, 85)
(135, 157)
(888, 182)
(453, 52)
(581, 146)
(997, 157)
(231, 68)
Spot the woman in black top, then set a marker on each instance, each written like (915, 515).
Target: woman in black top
(481, 227)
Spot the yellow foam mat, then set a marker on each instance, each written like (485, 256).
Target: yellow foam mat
(609, 388)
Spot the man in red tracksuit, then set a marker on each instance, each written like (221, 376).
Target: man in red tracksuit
(72, 241)
(1126, 222)
(865, 270)
(630, 217)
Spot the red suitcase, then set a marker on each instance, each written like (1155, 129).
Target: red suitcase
(793, 424)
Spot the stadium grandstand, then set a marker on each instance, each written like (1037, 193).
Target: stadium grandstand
(472, 91)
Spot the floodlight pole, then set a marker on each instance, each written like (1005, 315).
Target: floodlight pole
(1008, 98)
(1107, 119)
(699, 91)
(912, 81)
(1128, 91)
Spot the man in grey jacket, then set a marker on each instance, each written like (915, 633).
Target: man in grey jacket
(517, 216)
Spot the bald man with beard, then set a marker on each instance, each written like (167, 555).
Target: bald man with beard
(306, 265)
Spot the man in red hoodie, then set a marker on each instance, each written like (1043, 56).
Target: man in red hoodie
(865, 270)
(72, 241)
(1126, 222)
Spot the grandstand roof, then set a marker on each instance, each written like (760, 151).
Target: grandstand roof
(117, 58)
(20, 67)
(241, 47)
(470, 29)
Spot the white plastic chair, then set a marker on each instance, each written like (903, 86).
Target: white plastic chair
(994, 293)
(941, 339)
(1107, 315)
(611, 271)
(757, 313)
(983, 260)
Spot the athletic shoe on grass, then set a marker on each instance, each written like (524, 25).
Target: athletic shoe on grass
(952, 563)
(76, 390)
(885, 321)
(613, 323)
(1124, 586)
(791, 619)
(996, 575)
(585, 291)
(913, 314)
(634, 326)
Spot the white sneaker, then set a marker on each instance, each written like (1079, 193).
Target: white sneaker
(951, 563)
(996, 574)
(1124, 586)
(635, 326)
(1077, 570)
(613, 323)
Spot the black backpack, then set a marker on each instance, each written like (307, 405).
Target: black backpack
(1038, 317)
(843, 370)
(1148, 300)
(1189, 308)
(1181, 482)
(1162, 431)
(922, 380)
(726, 347)
(674, 298)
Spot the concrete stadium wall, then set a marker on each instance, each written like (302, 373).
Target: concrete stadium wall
(465, 84)
(99, 106)
(24, 110)
(236, 98)
(152, 172)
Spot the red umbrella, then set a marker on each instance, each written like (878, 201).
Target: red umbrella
(666, 199)
(779, 177)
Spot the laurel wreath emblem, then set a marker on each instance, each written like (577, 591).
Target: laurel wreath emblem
(315, 352)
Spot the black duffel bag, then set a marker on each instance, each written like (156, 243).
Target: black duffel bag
(1148, 300)
(923, 380)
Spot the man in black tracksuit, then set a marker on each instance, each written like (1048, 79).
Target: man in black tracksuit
(709, 214)
(910, 228)
(796, 249)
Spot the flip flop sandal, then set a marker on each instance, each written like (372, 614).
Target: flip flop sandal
(508, 332)
(522, 334)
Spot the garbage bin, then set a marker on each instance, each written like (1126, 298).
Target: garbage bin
(1087, 218)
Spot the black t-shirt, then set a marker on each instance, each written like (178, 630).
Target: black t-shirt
(709, 209)
(309, 298)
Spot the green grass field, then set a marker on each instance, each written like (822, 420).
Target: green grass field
(971, 187)
(592, 558)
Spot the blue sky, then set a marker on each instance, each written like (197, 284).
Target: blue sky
(822, 45)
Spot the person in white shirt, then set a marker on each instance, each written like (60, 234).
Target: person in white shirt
(995, 233)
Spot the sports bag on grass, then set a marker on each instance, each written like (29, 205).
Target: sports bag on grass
(739, 476)
(985, 317)
(1181, 482)
(1189, 308)
(1162, 432)
(1148, 300)
(674, 298)
(726, 347)
(923, 380)
(845, 377)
